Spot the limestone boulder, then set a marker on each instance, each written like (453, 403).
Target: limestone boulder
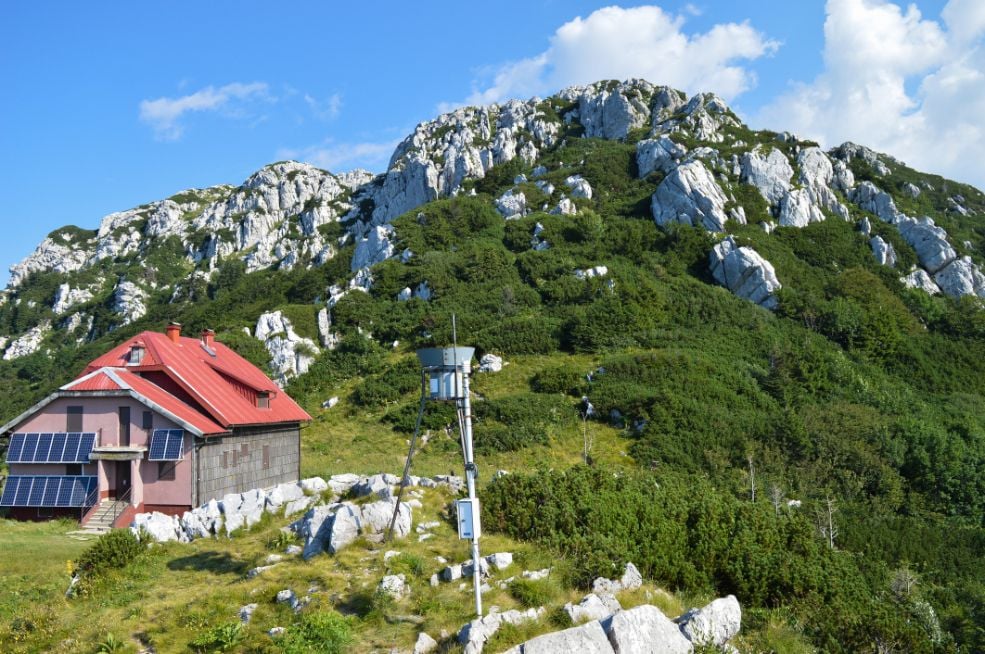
(658, 155)
(395, 586)
(868, 197)
(490, 363)
(691, 196)
(158, 526)
(744, 272)
(592, 607)
(884, 252)
(578, 187)
(376, 246)
(770, 174)
(714, 624)
(587, 639)
(961, 277)
(930, 242)
(920, 279)
(797, 209)
(512, 205)
(645, 630)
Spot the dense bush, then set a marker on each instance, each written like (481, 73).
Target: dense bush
(317, 632)
(112, 551)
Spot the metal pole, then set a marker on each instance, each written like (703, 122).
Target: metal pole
(470, 480)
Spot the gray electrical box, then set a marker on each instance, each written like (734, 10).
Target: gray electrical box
(468, 518)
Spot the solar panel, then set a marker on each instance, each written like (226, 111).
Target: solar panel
(166, 445)
(14, 450)
(48, 447)
(48, 490)
(44, 446)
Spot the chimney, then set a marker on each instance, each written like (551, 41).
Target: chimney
(208, 338)
(174, 331)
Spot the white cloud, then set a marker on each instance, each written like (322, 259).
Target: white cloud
(899, 83)
(327, 109)
(338, 157)
(164, 114)
(647, 42)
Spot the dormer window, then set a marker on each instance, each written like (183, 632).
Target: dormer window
(263, 400)
(136, 354)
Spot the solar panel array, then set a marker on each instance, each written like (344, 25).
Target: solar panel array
(58, 447)
(49, 491)
(166, 445)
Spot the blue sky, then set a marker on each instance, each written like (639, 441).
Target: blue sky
(108, 105)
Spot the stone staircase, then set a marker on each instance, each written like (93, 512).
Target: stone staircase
(102, 518)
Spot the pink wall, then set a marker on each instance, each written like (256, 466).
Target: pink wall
(101, 415)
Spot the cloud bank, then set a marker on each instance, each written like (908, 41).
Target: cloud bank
(618, 43)
(899, 83)
(164, 114)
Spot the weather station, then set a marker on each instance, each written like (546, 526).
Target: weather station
(445, 378)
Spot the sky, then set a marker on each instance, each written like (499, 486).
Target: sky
(109, 105)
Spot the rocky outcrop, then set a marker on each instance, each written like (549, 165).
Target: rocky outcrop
(884, 252)
(770, 174)
(129, 301)
(744, 272)
(27, 343)
(332, 527)
(611, 114)
(290, 355)
(691, 196)
(67, 297)
(473, 636)
(798, 209)
(713, 625)
(376, 246)
(646, 629)
(870, 198)
(658, 155)
(511, 205)
(920, 279)
(930, 242)
(579, 187)
(62, 253)
(961, 277)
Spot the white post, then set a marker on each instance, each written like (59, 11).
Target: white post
(470, 481)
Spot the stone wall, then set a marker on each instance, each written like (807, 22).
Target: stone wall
(251, 458)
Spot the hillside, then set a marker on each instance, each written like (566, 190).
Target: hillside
(729, 310)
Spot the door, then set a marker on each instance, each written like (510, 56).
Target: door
(122, 480)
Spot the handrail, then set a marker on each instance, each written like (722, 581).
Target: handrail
(117, 511)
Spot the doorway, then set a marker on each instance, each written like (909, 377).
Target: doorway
(123, 480)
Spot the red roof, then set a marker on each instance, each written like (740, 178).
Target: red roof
(221, 383)
(117, 379)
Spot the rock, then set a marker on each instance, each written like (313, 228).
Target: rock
(744, 272)
(330, 402)
(929, 241)
(259, 570)
(54, 253)
(797, 209)
(293, 550)
(868, 197)
(283, 493)
(298, 505)
(690, 195)
(490, 363)
(404, 294)
(865, 226)
(328, 338)
(290, 355)
(425, 644)
(286, 596)
(612, 114)
(377, 515)
(587, 639)
(565, 207)
(376, 246)
(158, 526)
(342, 484)
(579, 187)
(275, 632)
(395, 586)
(67, 297)
(193, 526)
(129, 301)
(770, 174)
(539, 171)
(315, 528)
(511, 205)
(500, 560)
(468, 569)
(252, 506)
(314, 485)
(345, 528)
(884, 252)
(961, 277)
(29, 342)
(376, 485)
(590, 273)
(911, 190)
(475, 634)
(246, 613)
(592, 607)
(645, 630)
(534, 575)
(658, 155)
(631, 578)
(920, 279)
(714, 624)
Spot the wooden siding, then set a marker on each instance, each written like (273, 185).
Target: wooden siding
(253, 457)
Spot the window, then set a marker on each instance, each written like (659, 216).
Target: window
(165, 470)
(74, 419)
(244, 450)
(124, 426)
(136, 354)
(266, 457)
(148, 421)
(74, 469)
(263, 400)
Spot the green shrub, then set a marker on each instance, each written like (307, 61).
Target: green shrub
(560, 379)
(220, 638)
(317, 632)
(533, 593)
(112, 551)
